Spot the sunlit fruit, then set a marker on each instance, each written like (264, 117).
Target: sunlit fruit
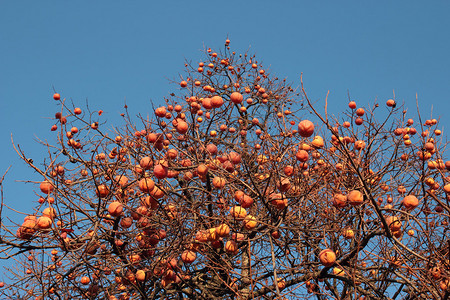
(390, 103)
(146, 184)
(188, 256)
(327, 257)
(236, 97)
(115, 209)
(355, 198)
(102, 191)
(231, 246)
(348, 233)
(394, 223)
(182, 127)
(339, 200)
(49, 212)
(410, 202)
(85, 280)
(250, 222)
(219, 182)
(305, 128)
(216, 101)
(223, 230)
(44, 222)
(160, 171)
(46, 187)
(238, 212)
(140, 275)
(302, 155)
(317, 142)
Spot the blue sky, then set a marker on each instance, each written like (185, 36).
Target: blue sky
(109, 51)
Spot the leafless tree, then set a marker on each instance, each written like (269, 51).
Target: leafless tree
(236, 188)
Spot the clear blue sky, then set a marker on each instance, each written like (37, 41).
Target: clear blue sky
(108, 51)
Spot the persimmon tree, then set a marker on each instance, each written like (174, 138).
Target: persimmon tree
(236, 187)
